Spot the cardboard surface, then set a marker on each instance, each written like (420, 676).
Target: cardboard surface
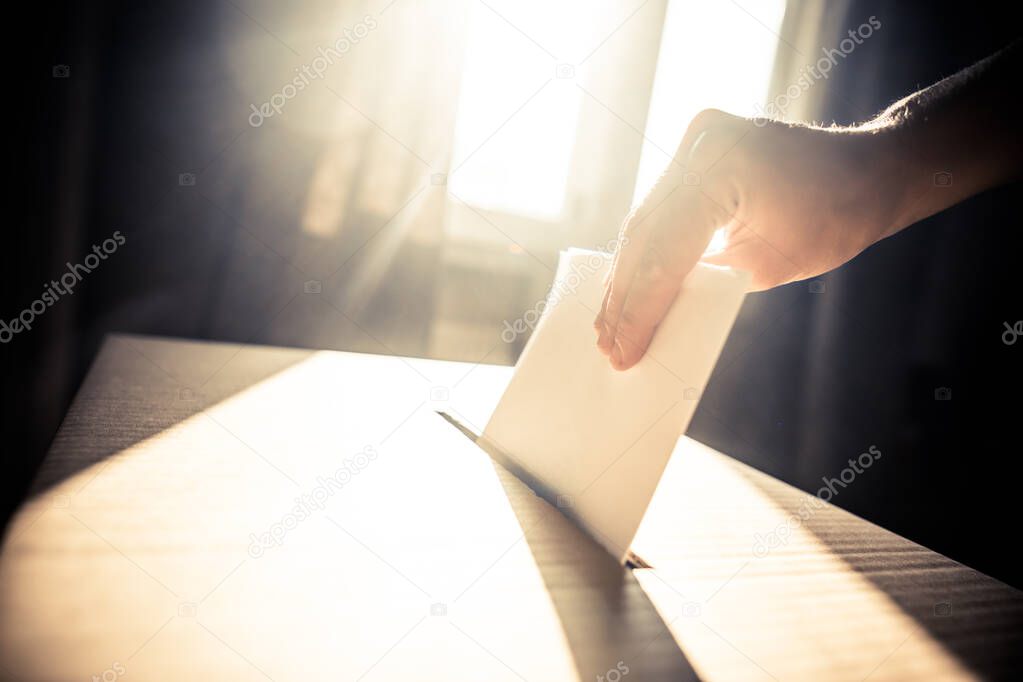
(140, 553)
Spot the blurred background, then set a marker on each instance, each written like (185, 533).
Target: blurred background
(398, 176)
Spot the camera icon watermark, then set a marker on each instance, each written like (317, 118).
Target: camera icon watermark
(186, 179)
(61, 501)
(564, 71)
(691, 394)
(692, 609)
(691, 179)
(438, 609)
(440, 394)
(942, 179)
(438, 179)
(943, 609)
(114, 672)
(313, 286)
(187, 394)
(817, 286)
(188, 609)
(564, 502)
(943, 393)
(61, 71)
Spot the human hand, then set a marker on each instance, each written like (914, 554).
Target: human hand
(793, 201)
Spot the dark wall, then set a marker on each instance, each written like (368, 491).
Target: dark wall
(810, 380)
(51, 134)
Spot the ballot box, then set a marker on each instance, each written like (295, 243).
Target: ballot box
(231, 512)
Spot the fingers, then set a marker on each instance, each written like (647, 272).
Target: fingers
(670, 253)
(631, 248)
(603, 331)
(651, 293)
(599, 323)
(660, 243)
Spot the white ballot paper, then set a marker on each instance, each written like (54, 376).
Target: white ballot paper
(595, 440)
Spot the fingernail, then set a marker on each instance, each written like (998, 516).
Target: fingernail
(606, 340)
(616, 355)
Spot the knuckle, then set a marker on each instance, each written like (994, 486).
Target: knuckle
(614, 303)
(707, 117)
(725, 138)
(660, 265)
(633, 319)
(709, 147)
(635, 226)
(654, 267)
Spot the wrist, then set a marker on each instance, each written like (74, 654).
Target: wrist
(884, 160)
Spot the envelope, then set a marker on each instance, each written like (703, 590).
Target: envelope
(592, 440)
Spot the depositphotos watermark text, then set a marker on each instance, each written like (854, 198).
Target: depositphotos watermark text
(312, 71)
(56, 288)
(307, 504)
(811, 74)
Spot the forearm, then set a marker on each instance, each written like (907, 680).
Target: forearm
(957, 138)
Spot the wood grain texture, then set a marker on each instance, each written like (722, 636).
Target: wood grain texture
(230, 512)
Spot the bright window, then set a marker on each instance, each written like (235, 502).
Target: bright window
(713, 54)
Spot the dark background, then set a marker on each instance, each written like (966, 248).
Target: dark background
(806, 382)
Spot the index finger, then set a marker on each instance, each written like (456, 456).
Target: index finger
(668, 257)
(631, 246)
(633, 243)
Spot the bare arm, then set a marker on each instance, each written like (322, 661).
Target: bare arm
(797, 200)
(957, 137)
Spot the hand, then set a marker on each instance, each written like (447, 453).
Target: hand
(793, 201)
